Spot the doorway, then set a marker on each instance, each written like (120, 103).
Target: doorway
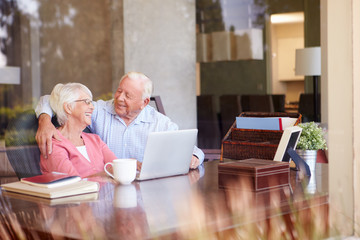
(287, 35)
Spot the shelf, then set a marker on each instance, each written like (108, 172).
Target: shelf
(292, 80)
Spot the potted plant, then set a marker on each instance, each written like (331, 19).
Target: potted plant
(311, 140)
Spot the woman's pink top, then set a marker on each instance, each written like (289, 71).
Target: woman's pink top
(66, 158)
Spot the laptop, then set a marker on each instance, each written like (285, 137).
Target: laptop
(167, 154)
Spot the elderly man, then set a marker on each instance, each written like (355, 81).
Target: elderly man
(122, 123)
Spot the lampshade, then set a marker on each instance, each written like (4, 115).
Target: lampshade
(308, 61)
(9, 75)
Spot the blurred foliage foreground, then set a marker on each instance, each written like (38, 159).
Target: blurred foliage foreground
(235, 215)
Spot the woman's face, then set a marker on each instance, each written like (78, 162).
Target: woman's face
(82, 110)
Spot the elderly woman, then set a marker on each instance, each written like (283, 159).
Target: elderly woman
(76, 152)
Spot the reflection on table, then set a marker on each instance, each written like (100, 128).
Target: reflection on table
(176, 207)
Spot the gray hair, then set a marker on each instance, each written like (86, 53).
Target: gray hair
(66, 93)
(147, 83)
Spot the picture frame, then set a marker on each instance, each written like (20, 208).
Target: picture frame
(286, 149)
(289, 139)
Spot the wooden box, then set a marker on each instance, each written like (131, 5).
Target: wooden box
(253, 143)
(253, 174)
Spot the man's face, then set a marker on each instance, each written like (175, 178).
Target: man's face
(128, 100)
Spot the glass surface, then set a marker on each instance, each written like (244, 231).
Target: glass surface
(53, 42)
(240, 52)
(185, 206)
(78, 41)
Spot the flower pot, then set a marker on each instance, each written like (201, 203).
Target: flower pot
(309, 157)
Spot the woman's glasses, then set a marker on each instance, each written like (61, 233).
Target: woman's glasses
(87, 101)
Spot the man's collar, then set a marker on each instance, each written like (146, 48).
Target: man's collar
(109, 107)
(143, 116)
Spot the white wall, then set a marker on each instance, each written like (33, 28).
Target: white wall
(159, 40)
(286, 38)
(340, 98)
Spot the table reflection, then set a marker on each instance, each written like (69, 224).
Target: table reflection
(164, 200)
(125, 196)
(186, 206)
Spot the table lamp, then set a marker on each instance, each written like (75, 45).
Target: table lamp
(308, 63)
(8, 75)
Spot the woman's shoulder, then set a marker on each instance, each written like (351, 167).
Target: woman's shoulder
(61, 141)
(92, 138)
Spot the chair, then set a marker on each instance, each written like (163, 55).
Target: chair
(306, 106)
(278, 102)
(210, 154)
(21, 148)
(208, 123)
(257, 103)
(230, 108)
(155, 102)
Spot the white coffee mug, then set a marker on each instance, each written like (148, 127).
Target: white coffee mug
(125, 196)
(124, 170)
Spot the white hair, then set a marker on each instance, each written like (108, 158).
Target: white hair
(147, 83)
(66, 93)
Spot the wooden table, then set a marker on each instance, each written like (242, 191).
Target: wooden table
(178, 207)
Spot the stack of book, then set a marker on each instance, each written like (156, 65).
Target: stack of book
(265, 123)
(52, 185)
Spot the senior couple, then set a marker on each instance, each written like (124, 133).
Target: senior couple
(120, 126)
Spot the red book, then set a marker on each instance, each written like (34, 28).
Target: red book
(51, 180)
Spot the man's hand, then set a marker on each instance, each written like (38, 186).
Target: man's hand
(194, 162)
(138, 165)
(44, 135)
